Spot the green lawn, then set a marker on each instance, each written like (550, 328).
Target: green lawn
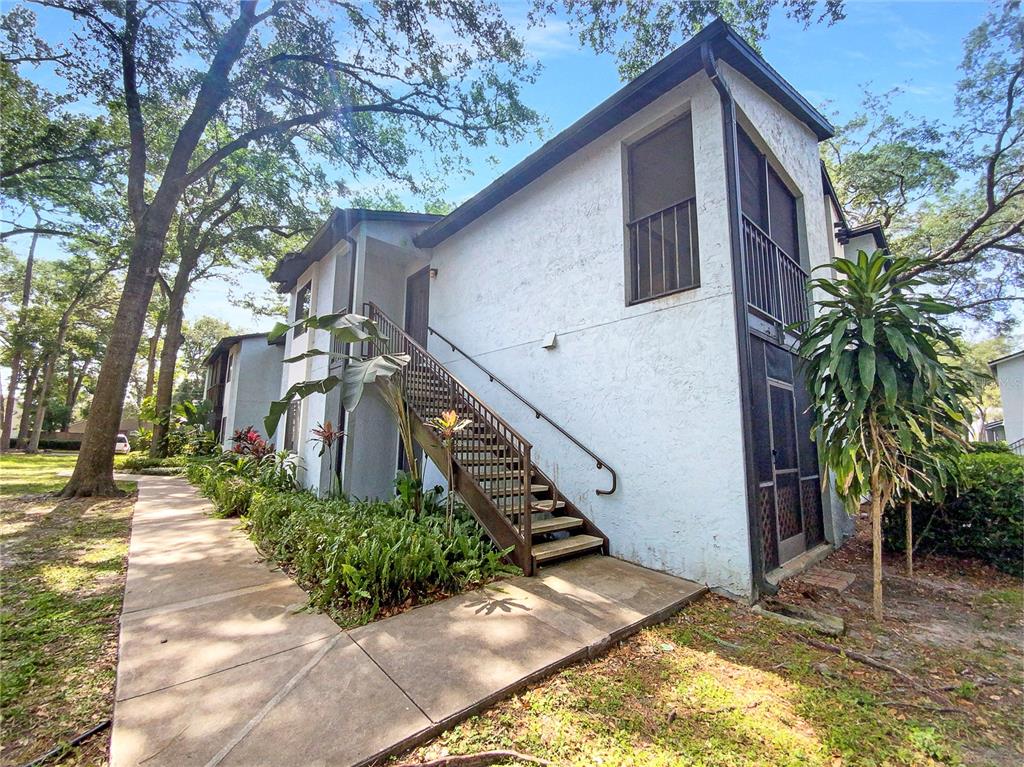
(63, 583)
(21, 474)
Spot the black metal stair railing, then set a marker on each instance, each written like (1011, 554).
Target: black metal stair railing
(490, 451)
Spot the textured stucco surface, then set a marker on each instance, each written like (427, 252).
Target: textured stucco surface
(253, 385)
(1011, 387)
(652, 388)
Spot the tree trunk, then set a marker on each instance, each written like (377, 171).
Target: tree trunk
(40, 414)
(94, 471)
(12, 386)
(876, 548)
(75, 388)
(154, 343)
(26, 406)
(48, 372)
(908, 521)
(165, 383)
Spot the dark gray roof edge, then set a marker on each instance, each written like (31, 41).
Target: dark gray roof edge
(228, 341)
(664, 75)
(875, 229)
(1005, 358)
(340, 221)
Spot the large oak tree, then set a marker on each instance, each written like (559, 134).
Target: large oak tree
(364, 86)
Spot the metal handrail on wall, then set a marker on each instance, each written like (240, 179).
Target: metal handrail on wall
(537, 412)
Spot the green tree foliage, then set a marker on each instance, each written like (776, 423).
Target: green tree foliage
(363, 87)
(639, 32)
(889, 404)
(199, 337)
(951, 197)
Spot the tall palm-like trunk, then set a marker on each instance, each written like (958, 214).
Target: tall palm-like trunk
(908, 522)
(18, 355)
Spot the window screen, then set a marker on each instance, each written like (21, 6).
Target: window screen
(662, 228)
(291, 426)
(661, 169)
(752, 181)
(782, 211)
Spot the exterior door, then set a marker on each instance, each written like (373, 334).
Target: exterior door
(785, 470)
(417, 303)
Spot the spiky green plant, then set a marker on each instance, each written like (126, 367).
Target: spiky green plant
(888, 397)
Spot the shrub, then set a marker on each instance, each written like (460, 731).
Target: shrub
(136, 462)
(364, 557)
(982, 517)
(249, 442)
(990, 447)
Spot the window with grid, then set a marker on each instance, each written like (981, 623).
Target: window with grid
(661, 231)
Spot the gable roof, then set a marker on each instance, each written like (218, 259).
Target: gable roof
(337, 225)
(224, 344)
(682, 63)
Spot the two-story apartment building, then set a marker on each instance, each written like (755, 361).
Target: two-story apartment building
(612, 315)
(242, 378)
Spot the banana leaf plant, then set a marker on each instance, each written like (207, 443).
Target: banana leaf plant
(889, 398)
(356, 374)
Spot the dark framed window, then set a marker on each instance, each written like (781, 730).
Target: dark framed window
(765, 199)
(302, 300)
(661, 230)
(227, 368)
(291, 426)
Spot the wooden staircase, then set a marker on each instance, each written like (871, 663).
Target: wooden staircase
(493, 473)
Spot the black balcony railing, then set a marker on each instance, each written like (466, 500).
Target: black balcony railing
(776, 283)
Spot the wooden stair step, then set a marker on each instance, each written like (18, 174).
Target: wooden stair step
(574, 544)
(512, 507)
(514, 490)
(554, 524)
(495, 460)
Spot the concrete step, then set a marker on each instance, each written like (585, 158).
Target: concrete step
(554, 524)
(564, 547)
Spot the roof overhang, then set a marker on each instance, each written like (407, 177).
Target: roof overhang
(331, 232)
(669, 72)
(1005, 358)
(225, 344)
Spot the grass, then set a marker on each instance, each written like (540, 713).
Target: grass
(22, 474)
(63, 575)
(718, 685)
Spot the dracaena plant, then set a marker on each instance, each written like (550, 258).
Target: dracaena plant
(447, 425)
(327, 437)
(357, 372)
(887, 394)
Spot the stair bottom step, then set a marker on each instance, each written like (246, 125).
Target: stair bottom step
(575, 544)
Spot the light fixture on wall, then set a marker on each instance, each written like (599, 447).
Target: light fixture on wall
(433, 272)
(550, 340)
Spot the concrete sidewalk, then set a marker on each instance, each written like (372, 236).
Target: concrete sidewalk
(220, 665)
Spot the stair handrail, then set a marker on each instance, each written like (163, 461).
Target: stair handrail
(537, 412)
(391, 333)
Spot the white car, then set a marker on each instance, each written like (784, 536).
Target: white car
(121, 444)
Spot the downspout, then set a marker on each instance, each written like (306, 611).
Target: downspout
(339, 459)
(739, 279)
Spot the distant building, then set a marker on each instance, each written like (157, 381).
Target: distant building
(1009, 372)
(242, 378)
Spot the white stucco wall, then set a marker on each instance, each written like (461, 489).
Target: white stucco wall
(652, 388)
(254, 383)
(1010, 375)
(321, 276)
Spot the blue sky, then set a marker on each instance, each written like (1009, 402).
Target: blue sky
(913, 45)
